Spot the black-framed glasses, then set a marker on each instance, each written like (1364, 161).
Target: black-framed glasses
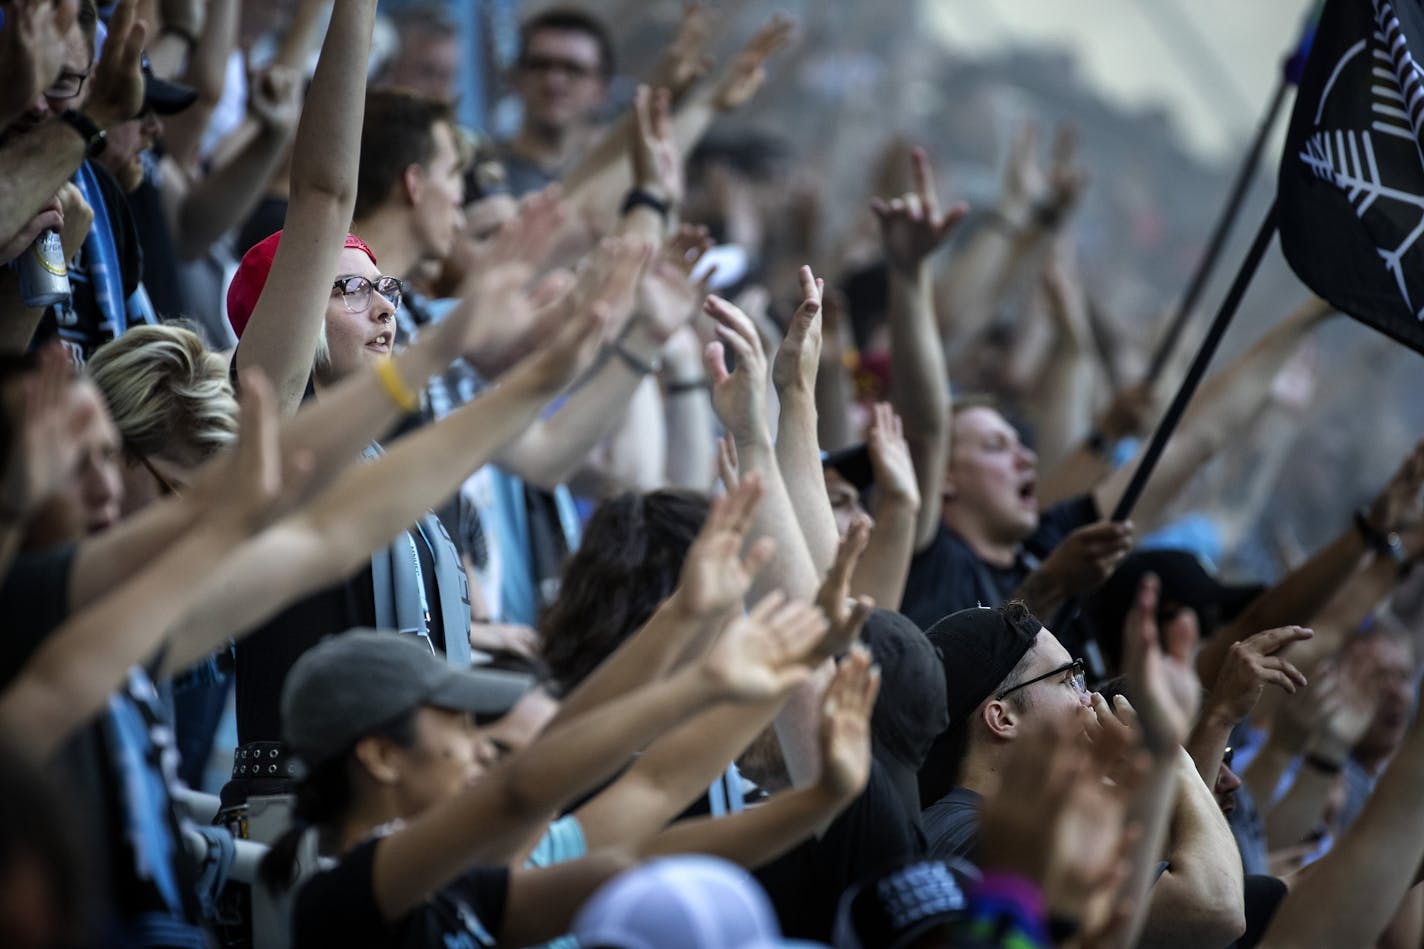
(67, 86)
(356, 291)
(1074, 669)
(165, 487)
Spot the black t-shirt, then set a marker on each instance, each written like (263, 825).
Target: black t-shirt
(81, 324)
(34, 599)
(947, 576)
(338, 908)
(264, 658)
(871, 836)
(952, 825)
(265, 220)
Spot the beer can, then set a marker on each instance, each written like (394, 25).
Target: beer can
(44, 277)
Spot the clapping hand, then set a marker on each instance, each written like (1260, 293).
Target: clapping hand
(739, 395)
(799, 354)
(845, 725)
(764, 654)
(1250, 666)
(716, 575)
(1165, 689)
(846, 615)
(747, 71)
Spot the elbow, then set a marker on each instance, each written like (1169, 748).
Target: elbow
(317, 185)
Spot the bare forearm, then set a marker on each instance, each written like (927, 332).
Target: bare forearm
(833, 404)
(36, 163)
(691, 438)
(919, 390)
(977, 275)
(1076, 473)
(793, 570)
(1066, 401)
(798, 454)
(1225, 403)
(1207, 744)
(755, 836)
(885, 565)
(1199, 900)
(645, 656)
(66, 682)
(1295, 600)
(1350, 894)
(216, 204)
(634, 455)
(1297, 815)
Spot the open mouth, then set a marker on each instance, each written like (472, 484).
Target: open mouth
(380, 344)
(1028, 492)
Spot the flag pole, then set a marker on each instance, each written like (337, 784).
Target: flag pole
(1222, 321)
(1220, 231)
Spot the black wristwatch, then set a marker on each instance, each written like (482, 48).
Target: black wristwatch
(95, 138)
(1385, 544)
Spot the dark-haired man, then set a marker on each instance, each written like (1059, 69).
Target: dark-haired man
(561, 79)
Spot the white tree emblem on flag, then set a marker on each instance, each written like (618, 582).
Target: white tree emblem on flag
(1347, 157)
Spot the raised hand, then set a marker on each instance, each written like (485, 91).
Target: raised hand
(275, 98)
(912, 226)
(845, 725)
(847, 616)
(747, 71)
(685, 60)
(716, 575)
(1165, 689)
(572, 349)
(657, 164)
(890, 456)
(764, 654)
(610, 278)
(799, 354)
(116, 89)
(44, 446)
(739, 396)
(667, 295)
(1028, 189)
(1250, 666)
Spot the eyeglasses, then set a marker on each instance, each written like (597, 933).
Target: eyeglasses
(67, 86)
(570, 68)
(1076, 677)
(356, 291)
(165, 487)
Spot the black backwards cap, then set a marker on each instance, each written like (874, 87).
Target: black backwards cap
(979, 647)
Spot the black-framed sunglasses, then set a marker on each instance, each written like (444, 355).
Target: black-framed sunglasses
(1075, 667)
(356, 291)
(571, 68)
(67, 86)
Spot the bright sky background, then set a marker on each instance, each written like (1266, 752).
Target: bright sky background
(1211, 63)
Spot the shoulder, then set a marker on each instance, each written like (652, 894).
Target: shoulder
(338, 906)
(952, 823)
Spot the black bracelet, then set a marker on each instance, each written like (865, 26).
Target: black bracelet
(1323, 764)
(95, 138)
(640, 197)
(633, 362)
(688, 385)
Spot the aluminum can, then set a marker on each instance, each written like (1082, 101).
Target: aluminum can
(44, 276)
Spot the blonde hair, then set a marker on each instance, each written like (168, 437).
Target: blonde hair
(169, 396)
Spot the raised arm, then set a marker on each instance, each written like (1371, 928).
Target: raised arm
(798, 451)
(281, 337)
(32, 47)
(912, 228)
(371, 503)
(67, 680)
(1307, 590)
(885, 566)
(492, 818)
(204, 31)
(37, 162)
(205, 209)
(1065, 398)
(1351, 893)
(739, 397)
(1225, 403)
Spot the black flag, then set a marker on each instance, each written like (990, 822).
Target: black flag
(1351, 198)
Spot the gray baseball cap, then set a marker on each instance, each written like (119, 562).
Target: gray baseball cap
(351, 684)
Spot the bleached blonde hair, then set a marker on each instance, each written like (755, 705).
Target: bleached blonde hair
(168, 394)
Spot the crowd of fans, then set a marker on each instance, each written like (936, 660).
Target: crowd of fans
(560, 556)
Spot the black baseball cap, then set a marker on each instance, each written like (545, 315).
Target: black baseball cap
(978, 648)
(353, 683)
(853, 464)
(163, 96)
